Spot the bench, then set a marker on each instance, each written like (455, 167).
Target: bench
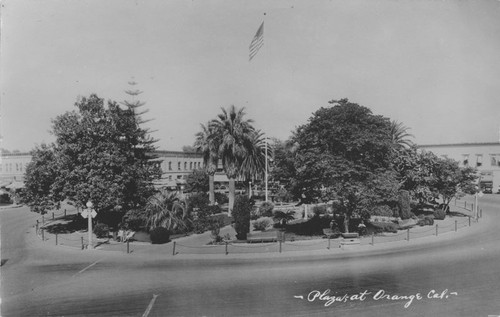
(329, 233)
(350, 238)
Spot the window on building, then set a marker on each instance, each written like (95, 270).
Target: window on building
(493, 160)
(199, 164)
(169, 166)
(185, 165)
(0, 167)
(179, 166)
(465, 159)
(190, 165)
(479, 160)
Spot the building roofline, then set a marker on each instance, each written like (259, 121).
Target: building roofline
(17, 154)
(458, 144)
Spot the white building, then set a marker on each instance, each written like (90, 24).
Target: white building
(483, 156)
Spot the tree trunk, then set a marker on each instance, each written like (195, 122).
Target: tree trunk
(231, 195)
(211, 193)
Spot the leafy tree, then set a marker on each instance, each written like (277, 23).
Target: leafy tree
(449, 178)
(283, 169)
(414, 170)
(40, 174)
(340, 153)
(197, 181)
(102, 155)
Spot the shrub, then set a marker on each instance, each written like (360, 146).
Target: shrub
(283, 195)
(221, 198)
(262, 224)
(313, 226)
(382, 210)
(319, 210)
(134, 220)
(159, 235)
(241, 215)
(379, 227)
(101, 230)
(254, 214)
(266, 209)
(404, 205)
(283, 217)
(439, 214)
(197, 201)
(429, 220)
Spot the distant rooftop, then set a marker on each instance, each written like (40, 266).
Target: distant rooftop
(459, 144)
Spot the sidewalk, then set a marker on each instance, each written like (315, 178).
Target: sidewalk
(196, 245)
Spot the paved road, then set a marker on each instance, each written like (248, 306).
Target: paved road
(456, 275)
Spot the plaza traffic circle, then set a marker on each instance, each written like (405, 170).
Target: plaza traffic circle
(458, 224)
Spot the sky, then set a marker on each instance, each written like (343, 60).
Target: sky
(432, 65)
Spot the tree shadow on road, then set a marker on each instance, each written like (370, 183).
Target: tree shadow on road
(69, 224)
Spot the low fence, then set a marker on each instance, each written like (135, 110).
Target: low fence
(48, 219)
(321, 244)
(280, 246)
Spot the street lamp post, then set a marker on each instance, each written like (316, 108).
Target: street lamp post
(89, 216)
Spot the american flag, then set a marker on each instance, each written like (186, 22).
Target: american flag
(257, 42)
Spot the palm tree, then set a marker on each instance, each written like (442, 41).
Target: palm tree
(165, 209)
(205, 143)
(254, 162)
(400, 135)
(235, 137)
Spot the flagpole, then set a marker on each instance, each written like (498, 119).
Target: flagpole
(255, 46)
(266, 169)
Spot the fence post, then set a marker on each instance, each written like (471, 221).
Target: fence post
(455, 226)
(481, 213)
(228, 252)
(82, 243)
(52, 216)
(56, 238)
(43, 234)
(408, 234)
(436, 230)
(173, 251)
(472, 207)
(373, 238)
(280, 246)
(37, 226)
(128, 246)
(328, 243)
(43, 220)
(469, 221)
(64, 212)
